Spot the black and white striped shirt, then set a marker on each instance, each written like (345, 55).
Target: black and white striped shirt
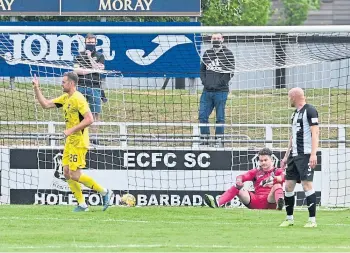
(302, 121)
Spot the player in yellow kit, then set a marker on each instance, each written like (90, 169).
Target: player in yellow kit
(78, 117)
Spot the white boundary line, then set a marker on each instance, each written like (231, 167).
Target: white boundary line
(209, 246)
(240, 223)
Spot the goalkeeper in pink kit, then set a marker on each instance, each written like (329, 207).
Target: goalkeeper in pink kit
(267, 181)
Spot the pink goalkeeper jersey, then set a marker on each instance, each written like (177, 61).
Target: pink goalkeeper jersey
(257, 175)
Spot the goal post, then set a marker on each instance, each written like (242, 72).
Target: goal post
(149, 136)
(176, 29)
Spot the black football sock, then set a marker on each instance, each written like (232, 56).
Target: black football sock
(289, 199)
(311, 202)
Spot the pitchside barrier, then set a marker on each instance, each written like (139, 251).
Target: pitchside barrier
(155, 175)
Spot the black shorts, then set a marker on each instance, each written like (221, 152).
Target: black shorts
(298, 168)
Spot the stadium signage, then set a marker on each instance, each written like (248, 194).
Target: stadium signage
(48, 198)
(150, 159)
(48, 47)
(142, 55)
(170, 160)
(117, 5)
(49, 44)
(143, 198)
(100, 7)
(163, 171)
(5, 5)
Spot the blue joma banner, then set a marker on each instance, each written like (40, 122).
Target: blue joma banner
(134, 55)
(101, 7)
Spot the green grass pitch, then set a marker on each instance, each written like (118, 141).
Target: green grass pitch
(184, 229)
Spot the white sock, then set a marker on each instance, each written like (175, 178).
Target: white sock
(104, 192)
(84, 205)
(312, 219)
(290, 217)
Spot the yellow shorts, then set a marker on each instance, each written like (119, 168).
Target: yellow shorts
(74, 157)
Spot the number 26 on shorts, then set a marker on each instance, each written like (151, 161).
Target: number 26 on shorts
(73, 158)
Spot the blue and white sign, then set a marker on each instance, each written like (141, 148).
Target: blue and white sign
(134, 55)
(28, 8)
(101, 7)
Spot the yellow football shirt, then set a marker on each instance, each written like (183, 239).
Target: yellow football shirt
(74, 109)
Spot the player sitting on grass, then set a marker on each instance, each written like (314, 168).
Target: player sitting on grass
(267, 181)
(78, 117)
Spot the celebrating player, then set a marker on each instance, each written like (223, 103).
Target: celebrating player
(267, 180)
(302, 160)
(78, 117)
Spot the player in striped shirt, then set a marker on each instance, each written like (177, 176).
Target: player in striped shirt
(301, 156)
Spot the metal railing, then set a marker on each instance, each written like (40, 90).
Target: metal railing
(52, 136)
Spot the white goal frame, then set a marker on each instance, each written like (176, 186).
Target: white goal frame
(175, 29)
(204, 30)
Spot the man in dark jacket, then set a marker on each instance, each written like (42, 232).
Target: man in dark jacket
(217, 69)
(86, 65)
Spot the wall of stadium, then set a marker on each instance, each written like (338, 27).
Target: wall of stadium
(155, 177)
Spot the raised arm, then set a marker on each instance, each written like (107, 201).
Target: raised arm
(45, 103)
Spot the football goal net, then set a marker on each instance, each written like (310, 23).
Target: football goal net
(159, 133)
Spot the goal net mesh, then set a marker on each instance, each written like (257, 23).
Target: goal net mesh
(148, 139)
